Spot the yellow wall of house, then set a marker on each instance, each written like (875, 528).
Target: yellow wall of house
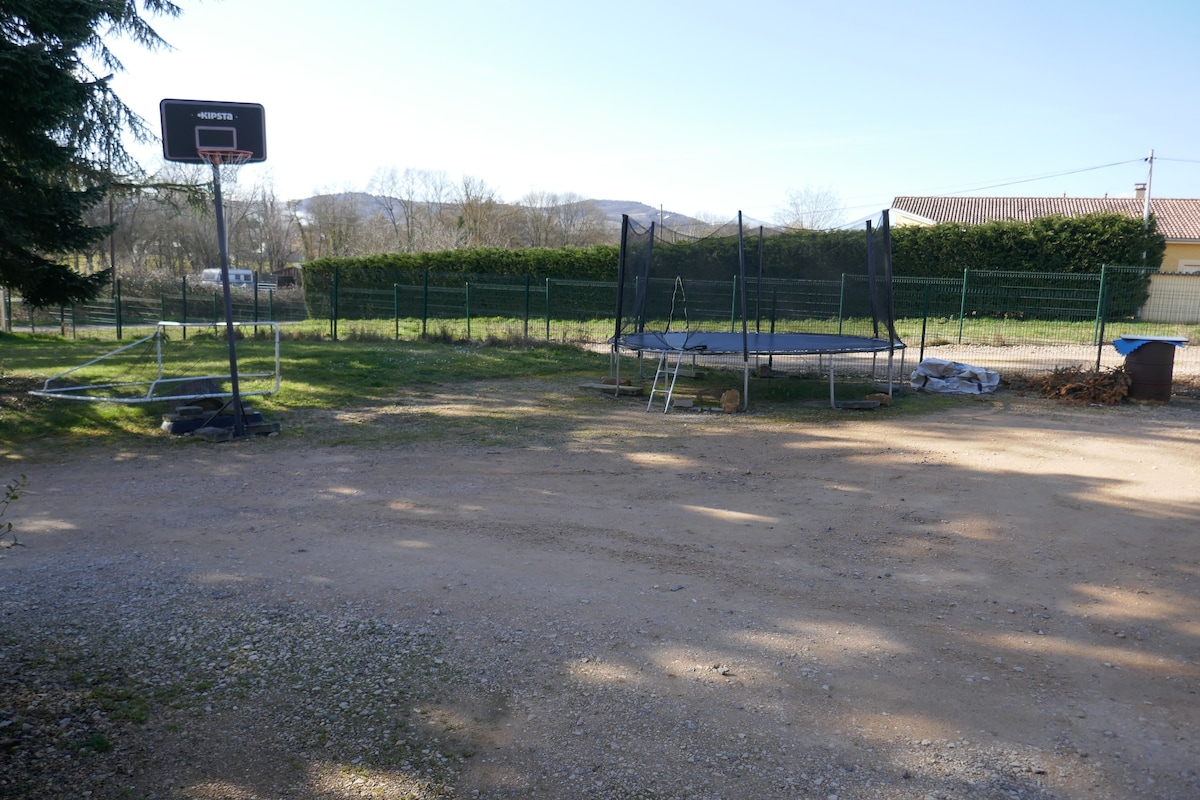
(1181, 251)
(1173, 298)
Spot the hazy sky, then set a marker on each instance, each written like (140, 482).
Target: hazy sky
(700, 107)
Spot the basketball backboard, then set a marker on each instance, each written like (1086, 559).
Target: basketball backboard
(189, 126)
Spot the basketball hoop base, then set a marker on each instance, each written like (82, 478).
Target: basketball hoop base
(217, 157)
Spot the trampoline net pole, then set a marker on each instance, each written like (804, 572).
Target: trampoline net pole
(621, 277)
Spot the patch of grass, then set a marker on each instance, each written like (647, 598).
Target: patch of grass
(351, 391)
(371, 391)
(96, 743)
(122, 703)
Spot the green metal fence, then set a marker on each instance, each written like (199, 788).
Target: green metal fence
(973, 318)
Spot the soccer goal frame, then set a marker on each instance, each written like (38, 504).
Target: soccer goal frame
(158, 388)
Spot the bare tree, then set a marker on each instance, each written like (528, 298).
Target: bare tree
(535, 219)
(483, 219)
(420, 207)
(813, 208)
(338, 223)
(553, 220)
(581, 221)
(436, 214)
(262, 229)
(394, 194)
(278, 228)
(167, 225)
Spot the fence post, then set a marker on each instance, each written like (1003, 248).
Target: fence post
(841, 303)
(1097, 331)
(547, 309)
(525, 329)
(924, 320)
(333, 303)
(425, 306)
(1103, 313)
(117, 305)
(396, 308)
(962, 306)
(468, 302)
(183, 298)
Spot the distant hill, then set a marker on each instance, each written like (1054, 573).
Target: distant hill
(612, 210)
(643, 215)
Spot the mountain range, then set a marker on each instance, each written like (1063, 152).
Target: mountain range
(612, 210)
(643, 215)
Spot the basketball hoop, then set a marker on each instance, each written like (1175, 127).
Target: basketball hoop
(216, 157)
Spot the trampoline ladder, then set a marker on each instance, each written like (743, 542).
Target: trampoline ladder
(668, 376)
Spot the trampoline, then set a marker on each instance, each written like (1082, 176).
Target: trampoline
(718, 343)
(710, 292)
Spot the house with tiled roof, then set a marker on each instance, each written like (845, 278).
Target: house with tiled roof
(1174, 292)
(1178, 219)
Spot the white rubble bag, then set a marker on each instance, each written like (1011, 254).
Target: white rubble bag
(938, 375)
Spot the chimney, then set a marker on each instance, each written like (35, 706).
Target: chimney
(1139, 191)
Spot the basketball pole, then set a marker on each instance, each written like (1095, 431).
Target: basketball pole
(239, 427)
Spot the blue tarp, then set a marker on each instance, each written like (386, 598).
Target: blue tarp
(1127, 344)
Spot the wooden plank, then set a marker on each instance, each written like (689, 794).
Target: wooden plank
(633, 391)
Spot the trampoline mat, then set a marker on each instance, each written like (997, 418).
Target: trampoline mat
(718, 343)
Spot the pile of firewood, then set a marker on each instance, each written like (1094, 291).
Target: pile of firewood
(1077, 386)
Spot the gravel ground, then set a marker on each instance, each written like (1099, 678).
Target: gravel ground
(998, 602)
(131, 683)
(121, 679)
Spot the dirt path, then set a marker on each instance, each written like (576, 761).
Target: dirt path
(998, 600)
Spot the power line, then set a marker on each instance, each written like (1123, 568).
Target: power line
(1048, 176)
(1018, 181)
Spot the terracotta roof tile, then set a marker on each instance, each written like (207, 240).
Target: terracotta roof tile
(1178, 219)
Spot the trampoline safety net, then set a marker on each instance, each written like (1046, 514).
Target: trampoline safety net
(757, 285)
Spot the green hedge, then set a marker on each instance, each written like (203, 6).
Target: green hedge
(597, 263)
(1057, 245)
(448, 269)
(1049, 244)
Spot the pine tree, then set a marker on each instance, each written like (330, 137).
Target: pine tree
(60, 136)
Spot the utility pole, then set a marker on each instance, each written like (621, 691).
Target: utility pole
(1146, 199)
(1149, 178)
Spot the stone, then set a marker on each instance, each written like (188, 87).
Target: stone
(211, 434)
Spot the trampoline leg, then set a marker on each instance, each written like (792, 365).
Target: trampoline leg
(891, 373)
(745, 386)
(832, 399)
(616, 369)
